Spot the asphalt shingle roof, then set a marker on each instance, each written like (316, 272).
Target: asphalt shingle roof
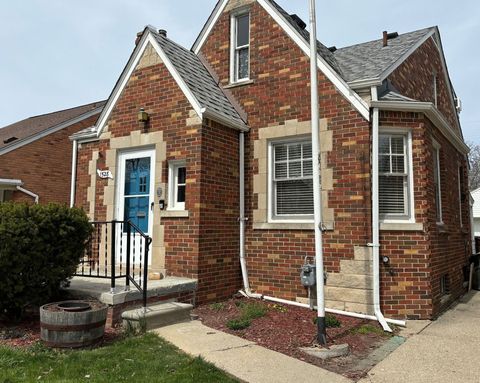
(323, 51)
(198, 79)
(37, 124)
(371, 59)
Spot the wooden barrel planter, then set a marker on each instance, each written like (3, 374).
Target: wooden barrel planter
(72, 324)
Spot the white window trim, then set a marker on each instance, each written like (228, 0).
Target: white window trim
(271, 195)
(410, 189)
(233, 45)
(173, 184)
(437, 147)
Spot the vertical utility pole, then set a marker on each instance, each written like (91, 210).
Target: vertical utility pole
(317, 196)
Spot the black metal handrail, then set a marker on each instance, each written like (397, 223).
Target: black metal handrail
(121, 241)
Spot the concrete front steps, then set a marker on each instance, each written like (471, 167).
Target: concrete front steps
(157, 316)
(166, 291)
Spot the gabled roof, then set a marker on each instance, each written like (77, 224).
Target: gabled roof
(371, 60)
(325, 60)
(31, 129)
(198, 79)
(192, 77)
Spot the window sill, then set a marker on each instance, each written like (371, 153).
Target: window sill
(442, 228)
(174, 214)
(401, 226)
(238, 83)
(329, 226)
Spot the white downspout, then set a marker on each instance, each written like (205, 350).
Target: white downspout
(242, 219)
(74, 173)
(29, 193)
(375, 216)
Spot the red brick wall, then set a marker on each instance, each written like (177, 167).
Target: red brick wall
(419, 259)
(414, 79)
(219, 265)
(44, 166)
(281, 92)
(204, 245)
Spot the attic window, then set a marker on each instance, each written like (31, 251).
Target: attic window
(8, 140)
(240, 48)
(435, 89)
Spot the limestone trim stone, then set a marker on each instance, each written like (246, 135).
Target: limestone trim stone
(235, 4)
(91, 190)
(352, 288)
(150, 57)
(290, 128)
(139, 140)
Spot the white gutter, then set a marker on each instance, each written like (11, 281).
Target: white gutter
(213, 115)
(29, 193)
(74, 173)
(10, 182)
(375, 216)
(433, 115)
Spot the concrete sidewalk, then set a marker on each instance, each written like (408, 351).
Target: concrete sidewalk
(244, 359)
(448, 350)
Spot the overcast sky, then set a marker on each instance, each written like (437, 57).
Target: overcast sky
(57, 54)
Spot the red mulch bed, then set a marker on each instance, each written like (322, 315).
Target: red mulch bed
(287, 328)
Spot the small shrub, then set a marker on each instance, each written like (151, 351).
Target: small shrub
(238, 324)
(253, 310)
(332, 321)
(239, 304)
(218, 306)
(40, 248)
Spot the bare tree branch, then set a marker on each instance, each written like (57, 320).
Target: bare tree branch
(474, 173)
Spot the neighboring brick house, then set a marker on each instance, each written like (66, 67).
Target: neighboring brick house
(246, 80)
(35, 155)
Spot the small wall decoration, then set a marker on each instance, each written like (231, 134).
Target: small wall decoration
(104, 174)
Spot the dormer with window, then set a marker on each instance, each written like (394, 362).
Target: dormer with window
(240, 47)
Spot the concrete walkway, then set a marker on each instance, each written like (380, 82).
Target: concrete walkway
(448, 350)
(244, 359)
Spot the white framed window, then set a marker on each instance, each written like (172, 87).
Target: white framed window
(437, 181)
(396, 176)
(290, 181)
(240, 47)
(177, 182)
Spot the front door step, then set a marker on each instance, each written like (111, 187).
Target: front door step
(156, 316)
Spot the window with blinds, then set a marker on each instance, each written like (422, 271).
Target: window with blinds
(292, 180)
(393, 174)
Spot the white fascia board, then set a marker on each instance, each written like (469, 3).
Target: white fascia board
(387, 72)
(433, 115)
(142, 45)
(365, 83)
(211, 114)
(176, 76)
(53, 129)
(358, 103)
(209, 26)
(121, 83)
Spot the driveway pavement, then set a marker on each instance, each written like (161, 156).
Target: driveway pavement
(448, 350)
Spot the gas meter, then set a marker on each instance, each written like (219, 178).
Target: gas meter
(308, 273)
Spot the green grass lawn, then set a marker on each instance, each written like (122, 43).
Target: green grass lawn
(141, 359)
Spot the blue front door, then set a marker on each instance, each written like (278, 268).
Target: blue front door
(137, 192)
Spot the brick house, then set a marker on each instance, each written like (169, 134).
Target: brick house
(221, 163)
(33, 153)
